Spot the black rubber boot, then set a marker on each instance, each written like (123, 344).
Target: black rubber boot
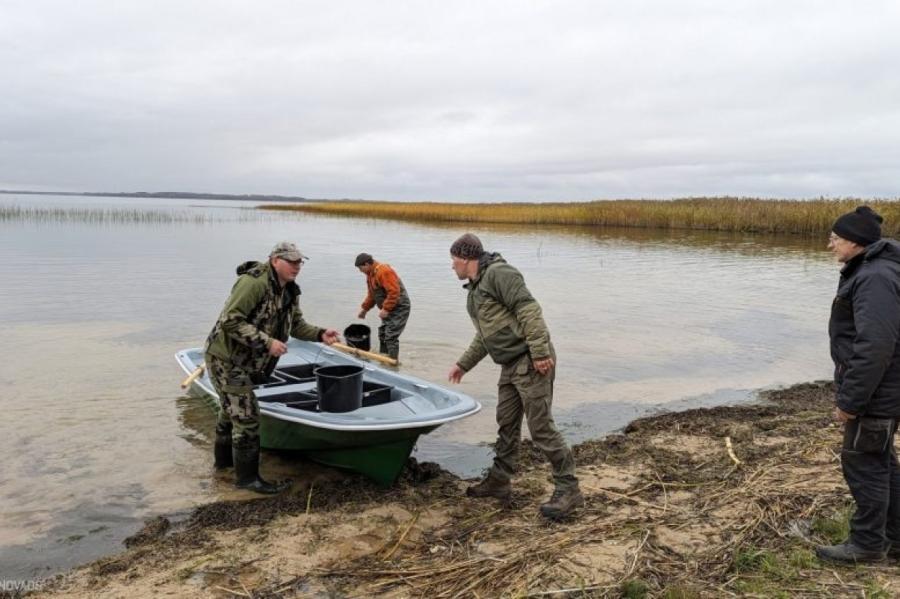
(848, 553)
(893, 550)
(222, 447)
(246, 468)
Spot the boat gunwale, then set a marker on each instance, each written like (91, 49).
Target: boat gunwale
(272, 411)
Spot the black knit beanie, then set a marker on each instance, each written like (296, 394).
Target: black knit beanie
(862, 226)
(467, 246)
(363, 258)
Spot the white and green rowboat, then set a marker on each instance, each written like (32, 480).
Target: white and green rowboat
(375, 440)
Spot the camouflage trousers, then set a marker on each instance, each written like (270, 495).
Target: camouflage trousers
(524, 392)
(238, 408)
(390, 329)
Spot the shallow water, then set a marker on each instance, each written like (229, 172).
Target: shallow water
(97, 435)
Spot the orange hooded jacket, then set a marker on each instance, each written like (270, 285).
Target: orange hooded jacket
(382, 275)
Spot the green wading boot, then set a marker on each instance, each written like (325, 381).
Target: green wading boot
(562, 503)
(222, 448)
(246, 468)
(491, 486)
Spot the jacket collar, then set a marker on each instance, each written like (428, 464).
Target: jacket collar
(851, 265)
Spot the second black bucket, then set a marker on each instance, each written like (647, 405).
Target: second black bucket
(358, 336)
(339, 388)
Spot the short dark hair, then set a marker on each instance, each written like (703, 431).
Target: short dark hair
(364, 258)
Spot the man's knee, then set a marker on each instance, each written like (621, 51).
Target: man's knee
(245, 432)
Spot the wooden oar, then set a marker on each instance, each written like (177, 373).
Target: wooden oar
(193, 376)
(365, 354)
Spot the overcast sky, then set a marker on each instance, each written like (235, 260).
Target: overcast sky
(454, 100)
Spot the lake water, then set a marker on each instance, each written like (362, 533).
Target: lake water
(97, 295)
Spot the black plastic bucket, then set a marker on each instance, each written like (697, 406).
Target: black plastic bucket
(358, 336)
(339, 388)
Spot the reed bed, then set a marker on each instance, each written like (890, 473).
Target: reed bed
(123, 216)
(115, 216)
(749, 215)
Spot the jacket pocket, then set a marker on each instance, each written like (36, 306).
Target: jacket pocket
(841, 305)
(869, 435)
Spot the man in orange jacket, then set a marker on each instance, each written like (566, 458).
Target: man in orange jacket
(385, 290)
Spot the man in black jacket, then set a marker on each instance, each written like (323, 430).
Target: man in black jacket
(865, 346)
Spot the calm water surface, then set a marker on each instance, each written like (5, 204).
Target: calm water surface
(97, 294)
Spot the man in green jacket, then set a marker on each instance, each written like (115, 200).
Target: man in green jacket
(242, 350)
(510, 328)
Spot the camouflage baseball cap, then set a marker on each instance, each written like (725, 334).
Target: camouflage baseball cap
(287, 251)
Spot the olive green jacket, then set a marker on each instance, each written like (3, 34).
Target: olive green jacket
(258, 311)
(508, 320)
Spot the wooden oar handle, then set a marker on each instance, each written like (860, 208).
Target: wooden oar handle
(365, 354)
(193, 376)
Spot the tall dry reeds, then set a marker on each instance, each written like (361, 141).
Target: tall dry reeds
(804, 217)
(127, 216)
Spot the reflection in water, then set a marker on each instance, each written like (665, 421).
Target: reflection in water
(99, 436)
(198, 422)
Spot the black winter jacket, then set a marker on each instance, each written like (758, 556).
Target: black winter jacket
(865, 332)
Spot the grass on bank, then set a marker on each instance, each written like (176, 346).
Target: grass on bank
(803, 217)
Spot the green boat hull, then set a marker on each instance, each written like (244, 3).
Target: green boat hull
(379, 455)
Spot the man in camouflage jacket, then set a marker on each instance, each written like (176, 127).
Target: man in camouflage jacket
(510, 328)
(243, 348)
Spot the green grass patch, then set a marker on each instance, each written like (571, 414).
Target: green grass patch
(802, 558)
(766, 572)
(634, 589)
(873, 590)
(835, 528)
(680, 592)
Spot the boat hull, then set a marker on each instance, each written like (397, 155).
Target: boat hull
(378, 455)
(376, 439)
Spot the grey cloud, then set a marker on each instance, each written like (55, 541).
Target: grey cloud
(452, 101)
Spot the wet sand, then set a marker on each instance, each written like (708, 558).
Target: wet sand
(669, 512)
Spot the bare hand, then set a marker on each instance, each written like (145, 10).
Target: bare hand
(362, 314)
(544, 365)
(842, 416)
(456, 374)
(330, 336)
(278, 348)
(383, 314)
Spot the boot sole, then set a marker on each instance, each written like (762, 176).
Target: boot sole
(262, 491)
(506, 497)
(851, 560)
(561, 515)
(272, 490)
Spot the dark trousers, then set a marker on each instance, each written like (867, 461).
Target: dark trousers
(390, 329)
(870, 466)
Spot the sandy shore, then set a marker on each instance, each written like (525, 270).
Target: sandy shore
(704, 503)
